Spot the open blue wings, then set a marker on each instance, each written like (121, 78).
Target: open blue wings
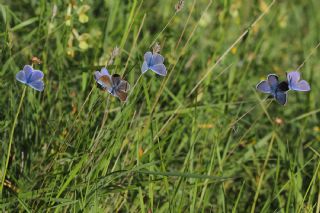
(154, 62)
(31, 77)
(272, 86)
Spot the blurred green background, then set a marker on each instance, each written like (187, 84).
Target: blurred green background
(221, 148)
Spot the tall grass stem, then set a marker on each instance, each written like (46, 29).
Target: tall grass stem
(11, 138)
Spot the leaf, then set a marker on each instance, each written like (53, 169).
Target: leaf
(72, 175)
(24, 24)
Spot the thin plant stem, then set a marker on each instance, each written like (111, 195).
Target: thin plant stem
(11, 138)
(165, 27)
(307, 58)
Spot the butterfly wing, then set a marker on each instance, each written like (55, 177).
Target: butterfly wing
(293, 79)
(144, 67)
(37, 85)
(104, 71)
(121, 95)
(281, 97)
(116, 79)
(293, 76)
(301, 86)
(273, 81)
(123, 86)
(36, 75)
(28, 70)
(295, 83)
(157, 59)
(105, 82)
(264, 87)
(21, 76)
(160, 69)
(97, 75)
(148, 57)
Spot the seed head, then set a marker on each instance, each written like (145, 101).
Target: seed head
(156, 48)
(179, 5)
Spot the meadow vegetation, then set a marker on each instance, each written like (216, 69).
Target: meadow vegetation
(200, 139)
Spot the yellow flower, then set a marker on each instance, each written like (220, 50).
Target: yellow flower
(83, 45)
(83, 18)
(83, 41)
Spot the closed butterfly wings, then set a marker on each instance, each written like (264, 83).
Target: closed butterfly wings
(295, 83)
(31, 77)
(154, 62)
(113, 84)
(274, 88)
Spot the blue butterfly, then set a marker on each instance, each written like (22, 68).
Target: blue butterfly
(272, 86)
(31, 77)
(295, 83)
(113, 84)
(154, 62)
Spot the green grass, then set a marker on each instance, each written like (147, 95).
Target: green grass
(200, 139)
